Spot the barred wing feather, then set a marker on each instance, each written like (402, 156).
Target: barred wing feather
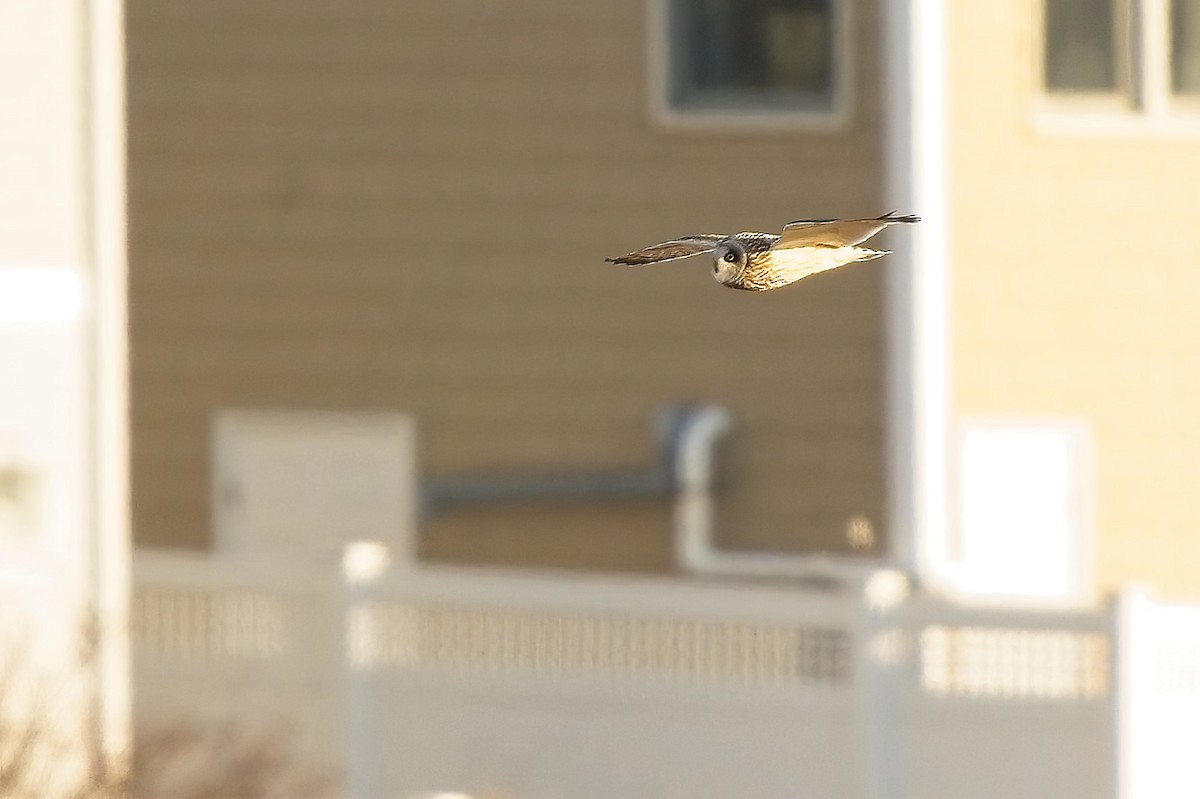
(669, 250)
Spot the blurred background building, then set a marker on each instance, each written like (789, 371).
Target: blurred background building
(372, 206)
(290, 276)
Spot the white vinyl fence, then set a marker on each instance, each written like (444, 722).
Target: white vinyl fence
(450, 681)
(1160, 656)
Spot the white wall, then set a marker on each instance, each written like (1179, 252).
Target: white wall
(43, 228)
(42, 134)
(52, 168)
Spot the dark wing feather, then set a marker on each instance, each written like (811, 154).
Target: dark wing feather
(836, 232)
(669, 250)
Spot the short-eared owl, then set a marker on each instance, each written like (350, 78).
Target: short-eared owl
(761, 261)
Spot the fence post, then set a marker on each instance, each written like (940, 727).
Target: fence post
(1130, 686)
(881, 647)
(363, 562)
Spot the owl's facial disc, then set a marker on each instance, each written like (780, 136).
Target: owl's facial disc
(728, 259)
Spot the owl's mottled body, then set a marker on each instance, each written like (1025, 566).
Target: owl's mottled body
(768, 268)
(763, 261)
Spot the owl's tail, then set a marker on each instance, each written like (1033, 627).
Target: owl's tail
(864, 254)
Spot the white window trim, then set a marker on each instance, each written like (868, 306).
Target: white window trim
(1146, 108)
(662, 113)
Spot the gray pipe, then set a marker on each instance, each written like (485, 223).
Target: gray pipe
(659, 482)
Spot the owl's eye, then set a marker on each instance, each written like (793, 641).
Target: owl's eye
(730, 257)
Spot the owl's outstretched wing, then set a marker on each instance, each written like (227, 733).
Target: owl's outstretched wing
(669, 250)
(836, 232)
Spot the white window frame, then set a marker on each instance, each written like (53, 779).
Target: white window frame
(1145, 105)
(836, 118)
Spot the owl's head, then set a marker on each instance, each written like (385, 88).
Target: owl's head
(729, 258)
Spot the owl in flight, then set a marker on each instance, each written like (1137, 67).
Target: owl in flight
(761, 261)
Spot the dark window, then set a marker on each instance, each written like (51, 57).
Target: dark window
(1185, 46)
(1081, 45)
(752, 54)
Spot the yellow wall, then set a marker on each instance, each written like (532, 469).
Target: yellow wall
(1075, 285)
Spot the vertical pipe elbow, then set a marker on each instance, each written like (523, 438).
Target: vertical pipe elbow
(699, 432)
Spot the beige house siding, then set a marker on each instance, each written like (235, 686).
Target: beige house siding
(373, 204)
(1075, 285)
